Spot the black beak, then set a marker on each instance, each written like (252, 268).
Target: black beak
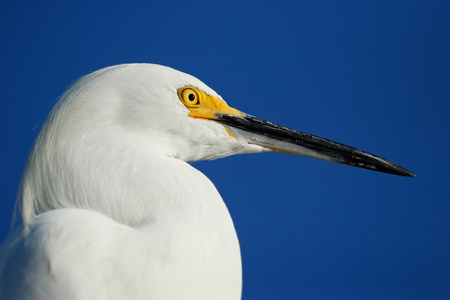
(283, 139)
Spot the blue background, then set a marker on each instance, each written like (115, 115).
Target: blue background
(371, 74)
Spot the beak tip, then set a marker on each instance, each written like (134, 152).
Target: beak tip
(400, 171)
(411, 174)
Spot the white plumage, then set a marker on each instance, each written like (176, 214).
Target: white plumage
(111, 209)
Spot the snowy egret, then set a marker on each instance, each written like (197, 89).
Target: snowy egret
(110, 207)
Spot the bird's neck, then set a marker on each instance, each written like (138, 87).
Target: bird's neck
(176, 211)
(131, 185)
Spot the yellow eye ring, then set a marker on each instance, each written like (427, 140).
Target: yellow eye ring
(190, 97)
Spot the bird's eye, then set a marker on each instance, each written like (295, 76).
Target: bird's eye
(190, 97)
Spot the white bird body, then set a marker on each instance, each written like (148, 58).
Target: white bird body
(81, 254)
(158, 220)
(112, 210)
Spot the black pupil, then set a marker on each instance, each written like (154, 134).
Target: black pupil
(191, 97)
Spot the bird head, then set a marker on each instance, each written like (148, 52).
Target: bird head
(115, 119)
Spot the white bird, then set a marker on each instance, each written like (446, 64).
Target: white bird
(110, 207)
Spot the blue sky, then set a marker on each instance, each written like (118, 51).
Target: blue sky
(371, 74)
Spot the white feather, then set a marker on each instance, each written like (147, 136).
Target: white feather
(111, 209)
